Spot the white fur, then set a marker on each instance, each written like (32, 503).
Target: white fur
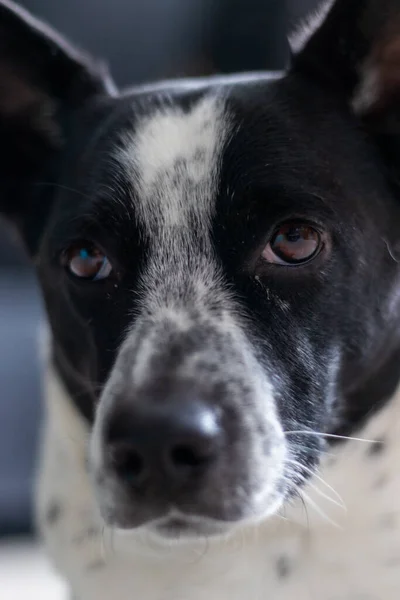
(150, 155)
(349, 554)
(172, 159)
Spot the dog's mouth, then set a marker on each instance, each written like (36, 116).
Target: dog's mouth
(182, 527)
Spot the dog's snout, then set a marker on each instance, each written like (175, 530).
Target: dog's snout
(169, 442)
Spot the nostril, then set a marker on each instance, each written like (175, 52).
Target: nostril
(127, 463)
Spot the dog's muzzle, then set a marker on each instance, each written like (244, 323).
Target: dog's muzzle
(187, 426)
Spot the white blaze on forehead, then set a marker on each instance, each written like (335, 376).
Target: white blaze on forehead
(172, 159)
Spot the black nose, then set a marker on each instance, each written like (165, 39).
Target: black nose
(170, 442)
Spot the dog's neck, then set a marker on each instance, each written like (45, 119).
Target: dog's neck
(326, 538)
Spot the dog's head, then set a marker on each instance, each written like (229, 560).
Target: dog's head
(218, 259)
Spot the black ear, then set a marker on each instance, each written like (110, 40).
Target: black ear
(354, 46)
(42, 81)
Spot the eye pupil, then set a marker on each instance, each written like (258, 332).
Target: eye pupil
(293, 236)
(85, 261)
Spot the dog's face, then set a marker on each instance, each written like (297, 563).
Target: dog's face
(218, 262)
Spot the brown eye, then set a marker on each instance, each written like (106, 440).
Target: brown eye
(85, 261)
(293, 244)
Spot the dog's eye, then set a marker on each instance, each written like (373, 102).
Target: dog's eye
(293, 244)
(85, 261)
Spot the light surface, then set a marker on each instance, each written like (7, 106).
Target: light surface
(26, 573)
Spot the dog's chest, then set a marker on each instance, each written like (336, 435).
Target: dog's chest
(316, 549)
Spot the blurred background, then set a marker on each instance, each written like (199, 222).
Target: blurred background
(142, 40)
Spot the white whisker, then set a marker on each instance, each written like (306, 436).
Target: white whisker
(327, 497)
(332, 436)
(339, 502)
(317, 509)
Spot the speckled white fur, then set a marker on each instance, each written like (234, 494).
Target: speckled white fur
(173, 156)
(351, 554)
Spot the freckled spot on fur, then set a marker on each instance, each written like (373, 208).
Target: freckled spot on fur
(388, 521)
(96, 565)
(283, 567)
(380, 482)
(87, 463)
(53, 513)
(88, 534)
(377, 448)
(92, 531)
(100, 478)
(180, 164)
(199, 155)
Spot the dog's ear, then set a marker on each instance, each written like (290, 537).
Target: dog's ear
(42, 81)
(354, 45)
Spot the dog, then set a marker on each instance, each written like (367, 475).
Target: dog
(220, 263)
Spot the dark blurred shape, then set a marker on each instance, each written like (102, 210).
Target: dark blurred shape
(151, 39)
(248, 35)
(297, 9)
